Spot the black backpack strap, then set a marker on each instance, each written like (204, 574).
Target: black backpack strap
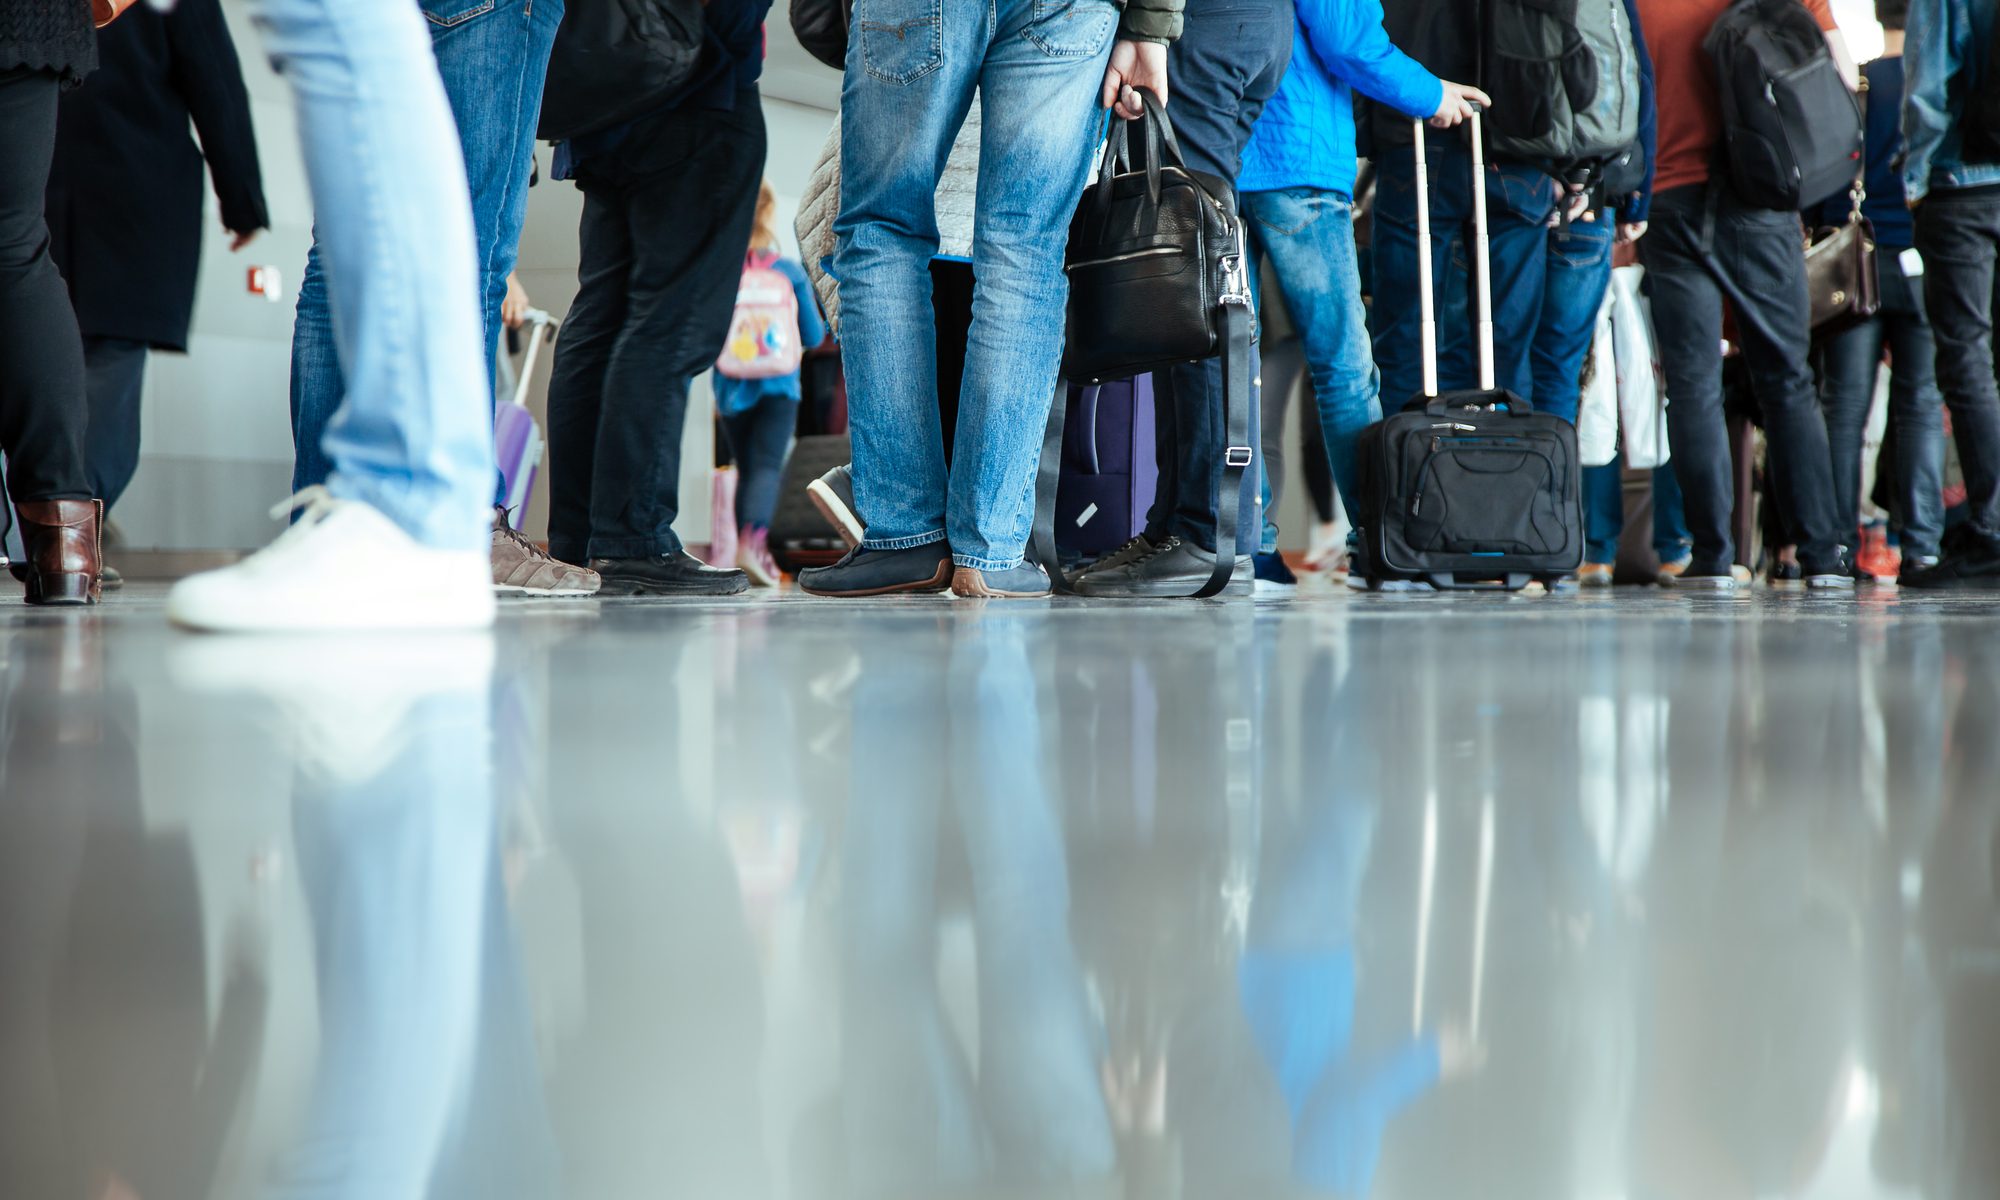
(1237, 453)
(1042, 539)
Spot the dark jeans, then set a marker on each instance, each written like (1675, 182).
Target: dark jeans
(1959, 236)
(114, 376)
(760, 440)
(1226, 64)
(1761, 251)
(660, 257)
(1518, 202)
(41, 368)
(1577, 274)
(1847, 392)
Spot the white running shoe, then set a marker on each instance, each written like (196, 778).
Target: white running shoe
(343, 566)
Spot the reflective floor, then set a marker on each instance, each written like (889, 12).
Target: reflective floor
(1644, 897)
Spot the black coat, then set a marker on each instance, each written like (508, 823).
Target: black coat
(124, 200)
(48, 35)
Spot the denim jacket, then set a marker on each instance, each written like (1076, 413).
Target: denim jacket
(1946, 39)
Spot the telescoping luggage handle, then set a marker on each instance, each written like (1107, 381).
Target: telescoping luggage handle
(1482, 262)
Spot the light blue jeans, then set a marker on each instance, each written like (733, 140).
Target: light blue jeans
(399, 869)
(912, 69)
(1307, 235)
(389, 403)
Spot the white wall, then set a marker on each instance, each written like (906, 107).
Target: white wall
(216, 448)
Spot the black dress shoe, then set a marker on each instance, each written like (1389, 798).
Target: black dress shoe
(676, 574)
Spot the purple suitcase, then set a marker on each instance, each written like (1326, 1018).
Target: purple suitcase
(517, 440)
(1109, 467)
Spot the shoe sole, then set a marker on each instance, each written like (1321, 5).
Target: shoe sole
(1703, 583)
(611, 587)
(511, 589)
(936, 583)
(1837, 583)
(837, 514)
(970, 584)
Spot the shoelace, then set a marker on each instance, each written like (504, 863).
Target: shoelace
(1156, 551)
(316, 501)
(520, 539)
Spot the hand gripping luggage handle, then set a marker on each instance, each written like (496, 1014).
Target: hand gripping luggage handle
(1481, 258)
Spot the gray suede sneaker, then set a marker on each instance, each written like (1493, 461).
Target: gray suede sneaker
(1175, 568)
(522, 568)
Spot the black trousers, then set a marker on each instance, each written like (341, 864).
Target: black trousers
(114, 376)
(41, 355)
(1762, 253)
(661, 254)
(1958, 233)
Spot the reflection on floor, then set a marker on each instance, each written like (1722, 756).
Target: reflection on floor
(1647, 896)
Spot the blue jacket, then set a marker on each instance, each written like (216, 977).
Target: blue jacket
(733, 396)
(1944, 59)
(1305, 137)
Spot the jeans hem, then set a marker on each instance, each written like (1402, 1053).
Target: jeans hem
(987, 564)
(665, 547)
(904, 543)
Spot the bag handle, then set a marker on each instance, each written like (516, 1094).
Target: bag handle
(1162, 148)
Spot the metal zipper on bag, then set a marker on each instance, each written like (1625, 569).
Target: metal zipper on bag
(1128, 256)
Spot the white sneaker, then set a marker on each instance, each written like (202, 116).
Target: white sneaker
(343, 566)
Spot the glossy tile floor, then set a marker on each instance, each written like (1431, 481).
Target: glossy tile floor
(1584, 898)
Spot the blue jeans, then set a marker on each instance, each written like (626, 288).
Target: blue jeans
(1307, 235)
(912, 70)
(1518, 203)
(1604, 513)
(1574, 282)
(1847, 392)
(492, 58)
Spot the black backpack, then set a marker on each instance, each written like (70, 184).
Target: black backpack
(1793, 130)
(1568, 73)
(1980, 136)
(615, 60)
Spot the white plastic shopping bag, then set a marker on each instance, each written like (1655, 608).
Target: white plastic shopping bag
(1642, 402)
(1597, 410)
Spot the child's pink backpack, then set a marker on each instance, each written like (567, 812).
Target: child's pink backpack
(764, 334)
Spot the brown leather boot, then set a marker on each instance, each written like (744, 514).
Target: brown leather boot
(65, 550)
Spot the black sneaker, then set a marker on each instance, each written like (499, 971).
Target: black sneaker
(882, 572)
(1174, 568)
(676, 574)
(1273, 574)
(1785, 576)
(1706, 577)
(1970, 562)
(1839, 575)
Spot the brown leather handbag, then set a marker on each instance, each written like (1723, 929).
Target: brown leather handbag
(106, 11)
(1841, 275)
